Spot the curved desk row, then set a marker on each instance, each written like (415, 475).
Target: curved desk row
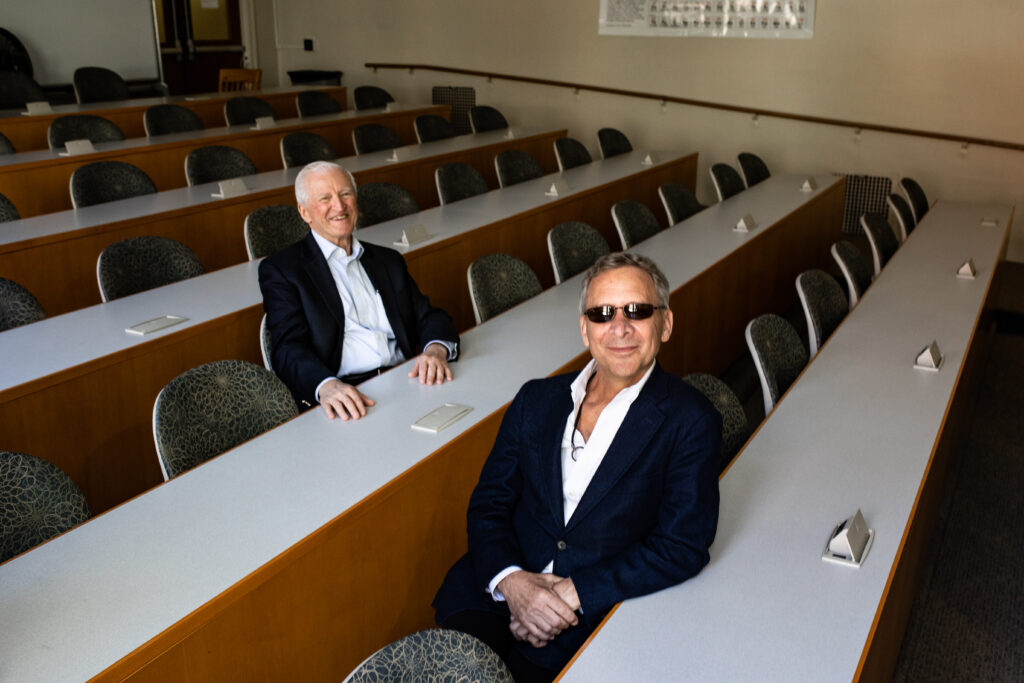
(37, 182)
(862, 428)
(106, 444)
(304, 550)
(29, 132)
(54, 255)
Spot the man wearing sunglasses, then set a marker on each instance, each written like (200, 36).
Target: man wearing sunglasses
(602, 485)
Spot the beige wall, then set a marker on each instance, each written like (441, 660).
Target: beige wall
(938, 65)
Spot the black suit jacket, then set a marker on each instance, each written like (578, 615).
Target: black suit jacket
(306, 318)
(645, 522)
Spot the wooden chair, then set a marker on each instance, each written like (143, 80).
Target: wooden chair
(233, 80)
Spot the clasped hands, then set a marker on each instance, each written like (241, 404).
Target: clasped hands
(542, 605)
(345, 401)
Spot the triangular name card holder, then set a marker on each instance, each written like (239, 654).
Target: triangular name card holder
(413, 235)
(76, 147)
(810, 185)
(393, 157)
(510, 134)
(849, 542)
(930, 358)
(650, 159)
(967, 270)
(558, 188)
(36, 108)
(746, 224)
(263, 123)
(989, 222)
(233, 187)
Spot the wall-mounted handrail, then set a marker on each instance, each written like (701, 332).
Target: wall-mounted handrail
(962, 139)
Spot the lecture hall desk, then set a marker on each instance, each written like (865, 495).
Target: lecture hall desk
(116, 376)
(54, 255)
(27, 133)
(861, 428)
(37, 182)
(296, 555)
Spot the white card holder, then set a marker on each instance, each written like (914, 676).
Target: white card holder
(413, 235)
(810, 185)
(967, 270)
(37, 108)
(155, 325)
(264, 123)
(849, 542)
(650, 159)
(746, 224)
(989, 222)
(439, 418)
(233, 187)
(558, 188)
(929, 358)
(76, 147)
(394, 157)
(510, 134)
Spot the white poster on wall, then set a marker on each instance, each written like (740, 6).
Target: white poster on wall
(708, 18)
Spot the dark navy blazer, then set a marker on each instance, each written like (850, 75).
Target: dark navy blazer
(306, 318)
(645, 522)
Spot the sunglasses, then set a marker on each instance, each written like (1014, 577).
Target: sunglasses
(602, 314)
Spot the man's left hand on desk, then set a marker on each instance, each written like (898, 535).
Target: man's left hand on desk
(431, 366)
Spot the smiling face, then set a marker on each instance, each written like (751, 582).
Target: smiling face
(624, 348)
(330, 207)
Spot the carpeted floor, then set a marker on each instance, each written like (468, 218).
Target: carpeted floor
(967, 621)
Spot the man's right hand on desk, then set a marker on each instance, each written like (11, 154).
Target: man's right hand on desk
(538, 613)
(343, 400)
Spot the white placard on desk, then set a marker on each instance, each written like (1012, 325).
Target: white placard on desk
(155, 325)
(849, 542)
(36, 108)
(413, 235)
(394, 157)
(990, 222)
(264, 122)
(76, 147)
(967, 270)
(439, 418)
(650, 159)
(233, 187)
(930, 358)
(510, 134)
(558, 188)
(746, 224)
(810, 185)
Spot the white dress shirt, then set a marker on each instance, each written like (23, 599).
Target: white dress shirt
(577, 473)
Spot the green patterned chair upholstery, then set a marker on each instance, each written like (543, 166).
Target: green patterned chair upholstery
(81, 127)
(299, 149)
(8, 212)
(379, 202)
(735, 428)
(514, 166)
(824, 306)
(483, 118)
(726, 180)
(753, 168)
(108, 181)
(457, 181)
(99, 84)
(679, 202)
(881, 238)
(571, 153)
(778, 354)
(269, 229)
(139, 263)
(370, 97)
(214, 407)
(613, 142)
(855, 269)
(164, 119)
(240, 111)
(634, 222)
(37, 502)
(315, 103)
(17, 306)
(434, 655)
(574, 247)
(431, 127)
(214, 163)
(497, 282)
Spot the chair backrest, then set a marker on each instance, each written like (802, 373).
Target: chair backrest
(634, 222)
(8, 212)
(108, 181)
(824, 306)
(515, 166)
(17, 89)
(163, 119)
(379, 202)
(214, 407)
(6, 146)
(81, 127)
(245, 110)
(299, 149)
(497, 282)
(904, 216)
(266, 346)
(374, 137)
(17, 306)
(371, 97)
(215, 163)
(37, 502)
(778, 355)
(97, 84)
(880, 237)
(270, 229)
(433, 655)
(574, 247)
(140, 263)
(483, 118)
(856, 271)
(726, 180)
(458, 181)
(430, 127)
(753, 168)
(735, 428)
(571, 153)
(315, 103)
(612, 142)
(916, 197)
(235, 80)
(679, 202)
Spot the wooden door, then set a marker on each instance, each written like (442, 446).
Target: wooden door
(198, 38)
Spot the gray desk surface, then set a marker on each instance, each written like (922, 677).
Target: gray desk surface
(60, 222)
(99, 330)
(856, 431)
(62, 109)
(74, 606)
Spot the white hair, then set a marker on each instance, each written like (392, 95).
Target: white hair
(313, 168)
